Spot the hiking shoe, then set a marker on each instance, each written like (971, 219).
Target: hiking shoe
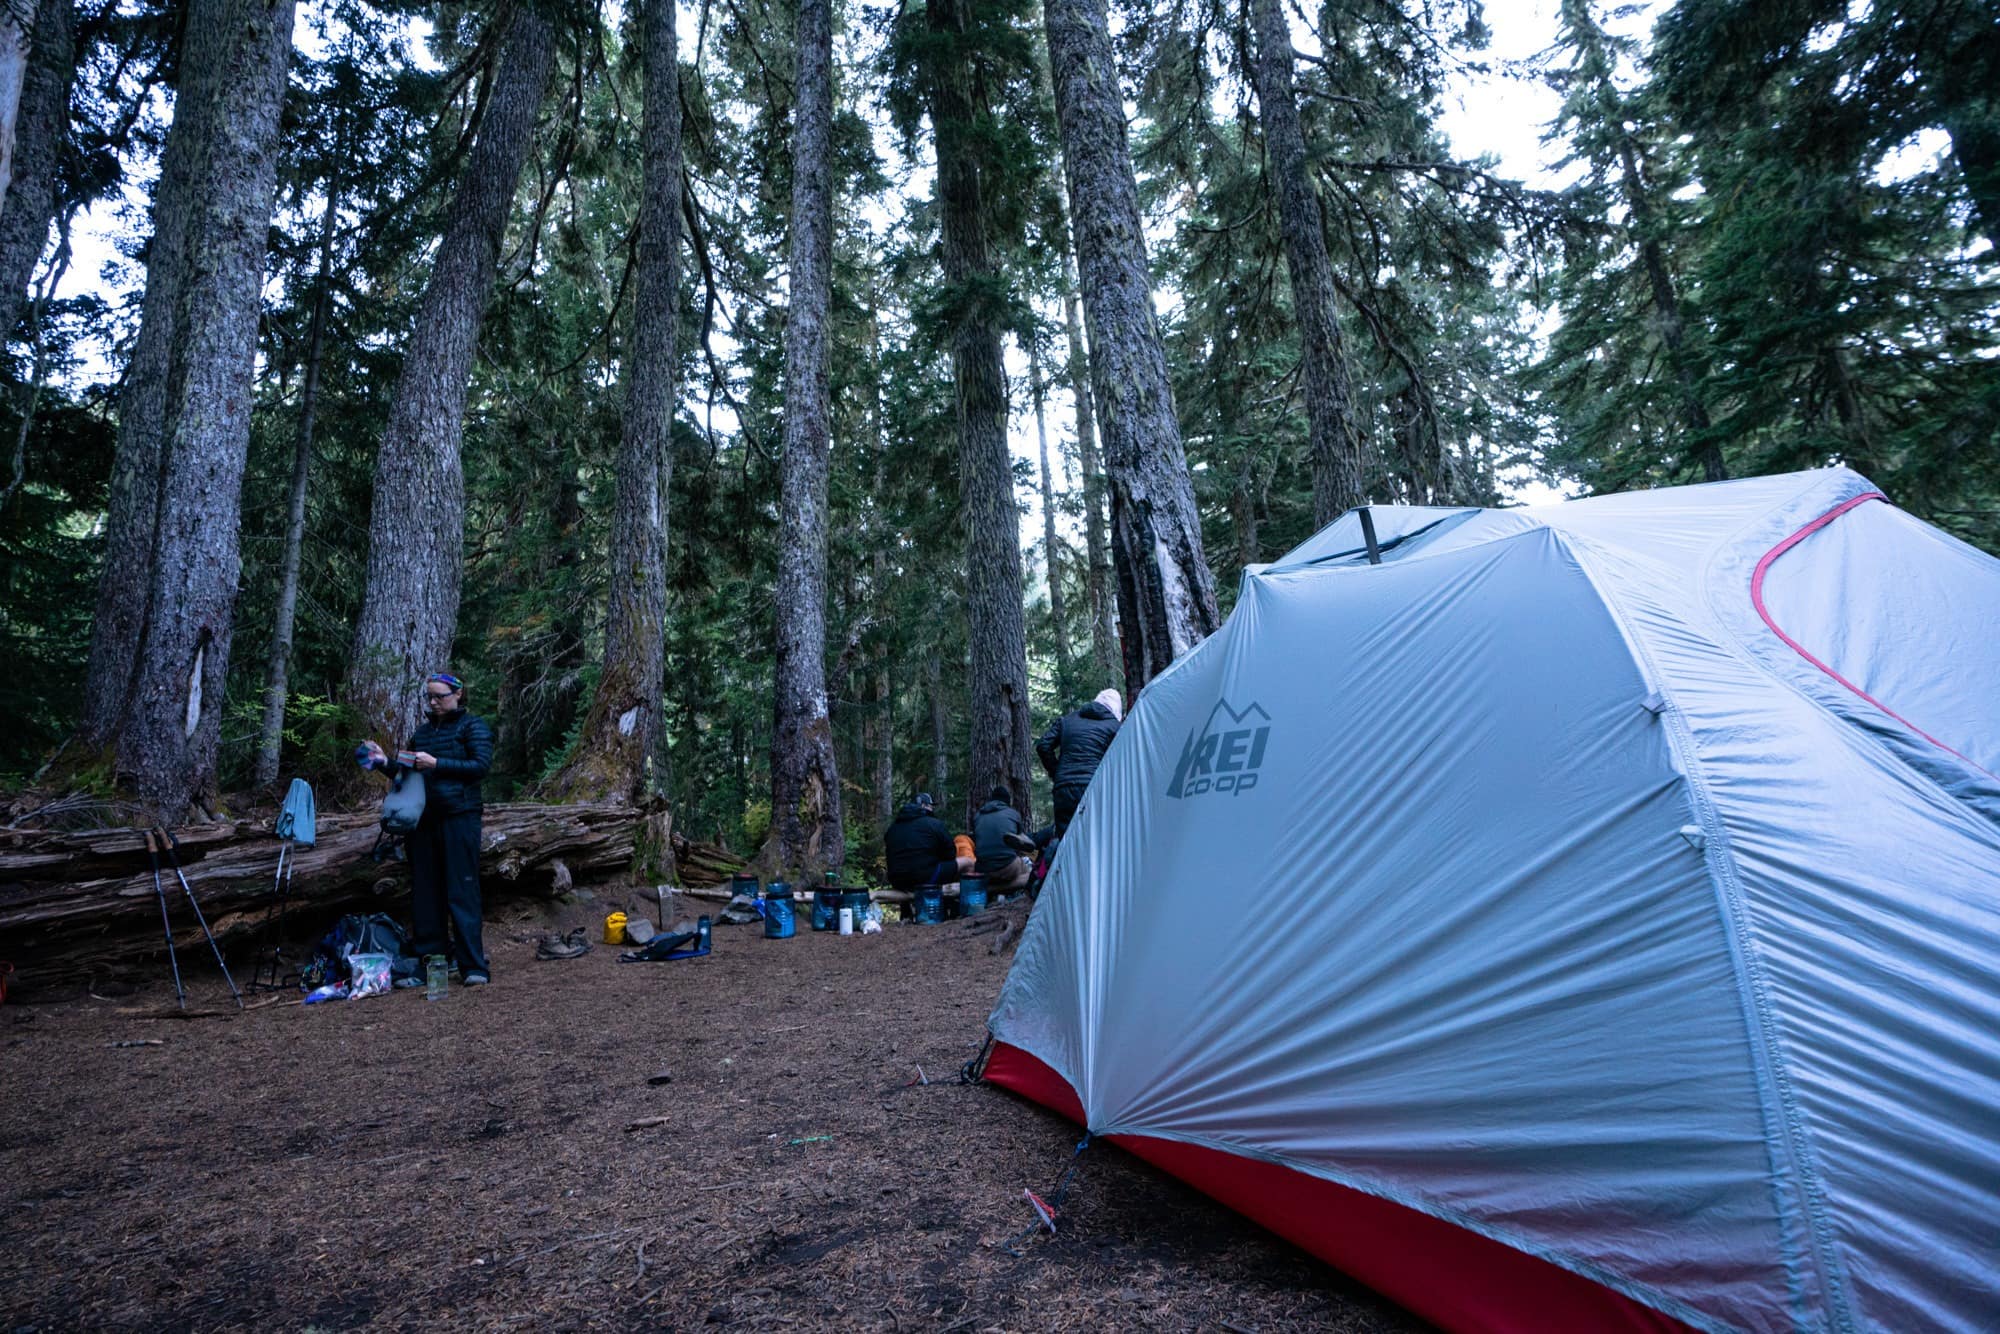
(476, 979)
(572, 946)
(1022, 844)
(405, 983)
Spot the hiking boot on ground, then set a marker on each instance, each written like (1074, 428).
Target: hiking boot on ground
(572, 946)
(476, 979)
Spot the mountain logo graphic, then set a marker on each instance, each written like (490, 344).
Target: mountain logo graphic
(1225, 753)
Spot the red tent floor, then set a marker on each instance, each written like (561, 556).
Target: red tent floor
(1456, 1279)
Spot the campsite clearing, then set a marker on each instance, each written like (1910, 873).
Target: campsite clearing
(392, 1163)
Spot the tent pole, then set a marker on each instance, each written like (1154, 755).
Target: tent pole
(1368, 532)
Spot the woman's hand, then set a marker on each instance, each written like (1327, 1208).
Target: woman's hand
(376, 756)
(423, 759)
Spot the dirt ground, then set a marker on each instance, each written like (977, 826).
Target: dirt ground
(393, 1163)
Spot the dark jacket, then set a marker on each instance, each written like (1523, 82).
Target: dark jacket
(463, 745)
(996, 819)
(915, 844)
(1075, 743)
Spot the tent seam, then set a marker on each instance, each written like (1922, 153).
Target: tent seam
(1753, 653)
(1777, 1099)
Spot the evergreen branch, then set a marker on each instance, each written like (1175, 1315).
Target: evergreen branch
(698, 242)
(1227, 228)
(554, 174)
(763, 67)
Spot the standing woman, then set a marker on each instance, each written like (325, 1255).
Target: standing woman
(453, 750)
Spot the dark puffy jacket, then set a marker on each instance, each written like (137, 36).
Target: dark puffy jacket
(463, 745)
(996, 820)
(915, 844)
(1075, 743)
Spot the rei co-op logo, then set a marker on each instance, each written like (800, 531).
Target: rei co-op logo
(1225, 753)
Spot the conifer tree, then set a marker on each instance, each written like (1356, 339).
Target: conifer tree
(968, 47)
(620, 753)
(1335, 441)
(1166, 594)
(1624, 353)
(805, 780)
(185, 422)
(409, 611)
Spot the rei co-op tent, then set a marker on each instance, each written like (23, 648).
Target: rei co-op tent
(1586, 917)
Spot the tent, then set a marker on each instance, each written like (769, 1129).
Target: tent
(1577, 917)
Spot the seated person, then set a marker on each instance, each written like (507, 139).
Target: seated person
(919, 850)
(1004, 868)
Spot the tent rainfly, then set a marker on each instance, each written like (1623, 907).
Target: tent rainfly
(1578, 917)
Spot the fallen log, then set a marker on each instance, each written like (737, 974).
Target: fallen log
(72, 903)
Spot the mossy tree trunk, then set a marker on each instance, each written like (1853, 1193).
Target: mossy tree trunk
(170, 585)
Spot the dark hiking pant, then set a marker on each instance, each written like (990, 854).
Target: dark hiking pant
(444, 870)
(1067, 800)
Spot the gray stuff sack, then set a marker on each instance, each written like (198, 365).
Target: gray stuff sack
(403, 805)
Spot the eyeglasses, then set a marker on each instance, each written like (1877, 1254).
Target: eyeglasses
(439, 694)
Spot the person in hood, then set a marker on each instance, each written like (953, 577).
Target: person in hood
(453, 750)
(997, 857)
(1074, 746)
(919, 849)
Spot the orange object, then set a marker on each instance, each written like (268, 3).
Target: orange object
(963, 842)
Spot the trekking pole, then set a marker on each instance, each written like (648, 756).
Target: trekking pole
(153, 855)
(174, 855)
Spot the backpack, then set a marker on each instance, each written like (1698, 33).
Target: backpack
(403, 804)
(357, 933)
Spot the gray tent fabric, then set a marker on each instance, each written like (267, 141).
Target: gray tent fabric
(1617, 879)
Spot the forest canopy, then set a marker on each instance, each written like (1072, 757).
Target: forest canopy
(685, 378)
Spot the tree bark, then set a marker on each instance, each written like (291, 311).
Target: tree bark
(1166, 596)
(37, 137)
(1331, 429)
(940, 758)
(17, 38)
(409, 610)
(1103, 601)
(1098, 582)
(221, 193)
(1051, 559)
(1243, 512)
(994, 621)
(621, 752)
(806, 835)
(277, 689)
(131, 518)
(884, 714)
